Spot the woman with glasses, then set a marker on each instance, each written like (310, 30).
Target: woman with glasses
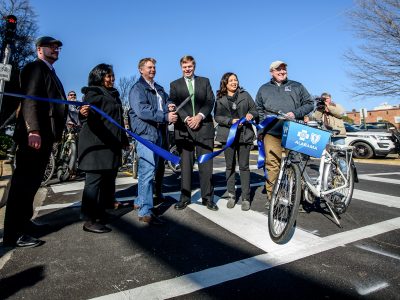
(234, 103)
(100, 148)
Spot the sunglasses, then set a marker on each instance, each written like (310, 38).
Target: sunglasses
(72, 95)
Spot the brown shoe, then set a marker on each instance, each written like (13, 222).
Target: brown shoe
(151, 220)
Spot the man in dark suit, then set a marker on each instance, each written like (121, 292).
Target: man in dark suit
(194, 131)
(39, 125)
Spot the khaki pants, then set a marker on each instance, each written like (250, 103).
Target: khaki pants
(273, 157)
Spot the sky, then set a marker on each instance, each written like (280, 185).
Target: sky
(240, 36)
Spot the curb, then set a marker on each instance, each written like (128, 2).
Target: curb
(5, 180)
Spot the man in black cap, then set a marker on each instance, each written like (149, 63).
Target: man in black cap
(39, 125)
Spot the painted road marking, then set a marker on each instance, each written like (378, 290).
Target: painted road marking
(374, 177)
(285, 254)
(377, 198)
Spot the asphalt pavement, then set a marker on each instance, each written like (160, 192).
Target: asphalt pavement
(201, 254)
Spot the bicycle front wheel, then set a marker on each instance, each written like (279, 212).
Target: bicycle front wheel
(285, 205)
(68, 161)
(48, 174)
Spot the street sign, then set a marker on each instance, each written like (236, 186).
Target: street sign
(5, 72)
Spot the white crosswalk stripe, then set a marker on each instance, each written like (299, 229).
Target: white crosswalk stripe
(252, 227)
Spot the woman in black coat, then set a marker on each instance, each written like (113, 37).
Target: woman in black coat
(100, 147)
(232, 104)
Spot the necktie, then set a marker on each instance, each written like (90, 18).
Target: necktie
(190, 88)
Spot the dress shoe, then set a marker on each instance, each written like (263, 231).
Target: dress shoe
(245, 205)
(231, 203)
(210, 205)
(27, 241)
(151, 220)
(95, 227)
(158, 199)
(120, 205)
(181, 205)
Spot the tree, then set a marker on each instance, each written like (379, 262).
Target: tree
(375, 64)
(124, 86)
(22, 50)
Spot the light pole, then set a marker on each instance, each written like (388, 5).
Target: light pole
(5, 68)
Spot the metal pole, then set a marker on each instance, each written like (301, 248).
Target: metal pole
(7, 54)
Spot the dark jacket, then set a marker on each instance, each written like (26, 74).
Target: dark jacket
(100, 141)
(145, 116)
(290, 96)
(223, 116)
(48, 118)
(204, 103)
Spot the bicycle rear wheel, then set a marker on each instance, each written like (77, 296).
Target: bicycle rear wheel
(285, 205)
(176, 168)
(342, 197)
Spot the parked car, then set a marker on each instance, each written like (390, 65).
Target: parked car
(369, 143)
(379, 126)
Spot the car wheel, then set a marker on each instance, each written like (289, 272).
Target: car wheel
(362, 150)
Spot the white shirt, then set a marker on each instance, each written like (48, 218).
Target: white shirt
(159, 98)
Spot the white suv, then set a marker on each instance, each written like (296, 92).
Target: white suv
(368, 144)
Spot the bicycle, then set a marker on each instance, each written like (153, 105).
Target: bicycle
(67, 157)
(333, 186)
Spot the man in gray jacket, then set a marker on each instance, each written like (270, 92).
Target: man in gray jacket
(289, 97)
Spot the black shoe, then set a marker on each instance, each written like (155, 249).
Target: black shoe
(151, 220)
(210, 205)
(181, 205)
(27, 241)
(158, 199)
(95, 227)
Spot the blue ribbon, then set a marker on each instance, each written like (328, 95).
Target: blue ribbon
(157, 150)
(231, 138)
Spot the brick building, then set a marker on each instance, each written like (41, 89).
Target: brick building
(381, 113)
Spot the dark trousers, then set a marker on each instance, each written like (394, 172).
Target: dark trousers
(25, 182)
(98, 194)
(242, 151)
(187, 149)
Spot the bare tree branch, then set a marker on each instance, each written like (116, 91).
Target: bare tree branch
(375, 64)
(124, 86)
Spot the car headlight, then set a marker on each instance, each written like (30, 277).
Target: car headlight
(381, 138)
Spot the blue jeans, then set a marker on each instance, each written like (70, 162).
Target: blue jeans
(146, 169)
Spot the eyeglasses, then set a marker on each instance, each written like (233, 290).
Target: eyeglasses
(72, 95)
(53, 47)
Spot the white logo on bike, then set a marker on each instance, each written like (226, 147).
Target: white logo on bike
(315, 138)
(303, 135)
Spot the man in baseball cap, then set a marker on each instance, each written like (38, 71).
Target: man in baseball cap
(276, 64)
(289, 97)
